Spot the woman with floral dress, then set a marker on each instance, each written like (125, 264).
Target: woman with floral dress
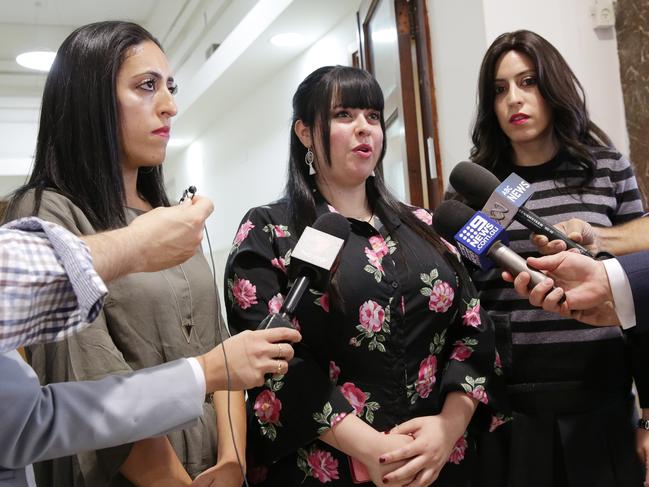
(398, 344)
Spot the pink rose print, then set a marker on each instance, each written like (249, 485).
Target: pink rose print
(461, 352)
(424, 216)
(324, 302)
(441, 297)
(457, 454)
(243, 232)
(426, 379)
(374, 259)
(267, 407)
(296, 324)
(279, 263)
(355, 396)
(245, 293)
(371, 316)
(495, 422)
(451, 247)
(479, 394)
(472, 316)
(334, 371)
(324, 466)
(275, 303)
(279, 231)
(257, 475)
(379, 246)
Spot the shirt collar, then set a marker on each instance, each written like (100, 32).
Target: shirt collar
(322, 206)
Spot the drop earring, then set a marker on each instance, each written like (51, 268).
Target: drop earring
(372, 173)
(309, 158)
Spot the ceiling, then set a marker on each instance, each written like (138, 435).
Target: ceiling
(186, 29)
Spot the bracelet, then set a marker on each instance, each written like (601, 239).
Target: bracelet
(643, 424)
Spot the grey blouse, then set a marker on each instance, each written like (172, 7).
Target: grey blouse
(148, 319)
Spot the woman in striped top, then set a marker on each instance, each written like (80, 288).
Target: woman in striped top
(569, 384)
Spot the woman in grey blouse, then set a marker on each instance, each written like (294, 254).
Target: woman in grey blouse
(105, 122)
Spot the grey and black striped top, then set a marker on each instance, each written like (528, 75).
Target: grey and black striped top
(541, 350)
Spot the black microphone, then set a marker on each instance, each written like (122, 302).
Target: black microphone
(480, 239)
(312, 260)
(503, 202)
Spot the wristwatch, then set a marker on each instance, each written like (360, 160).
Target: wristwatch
(643, 424)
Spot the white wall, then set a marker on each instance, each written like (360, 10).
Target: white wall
(462, 31)
(458, 39)
(241, 160)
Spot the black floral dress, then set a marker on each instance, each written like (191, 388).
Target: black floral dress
(399, 338)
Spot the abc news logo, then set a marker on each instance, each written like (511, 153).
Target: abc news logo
(477, 233)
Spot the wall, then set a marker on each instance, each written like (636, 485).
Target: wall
(240, 161)
(568, 25)
(632, 25)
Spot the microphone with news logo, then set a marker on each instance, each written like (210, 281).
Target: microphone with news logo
(313, 259)
(480, 239)
(503, 202)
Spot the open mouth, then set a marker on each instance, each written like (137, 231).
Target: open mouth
(363, 150)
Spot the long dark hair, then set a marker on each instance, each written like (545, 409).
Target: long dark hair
(560, 89)
(78, 146)
(312, 102)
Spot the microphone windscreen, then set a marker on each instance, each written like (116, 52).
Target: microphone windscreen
(473, 182)
(449, 217)
(334, 224)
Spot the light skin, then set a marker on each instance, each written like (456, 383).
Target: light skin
(589, 299)
(414, 452)
(622, 239)
(522, 113)
(356, 138)
(144, 89)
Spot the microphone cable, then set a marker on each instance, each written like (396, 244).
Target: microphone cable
(186, 193)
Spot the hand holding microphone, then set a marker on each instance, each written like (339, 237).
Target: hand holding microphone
(584, 283)
(312, 261)
(251, 355)
(503, 202)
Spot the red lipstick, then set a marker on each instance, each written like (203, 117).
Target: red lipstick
(519, 118)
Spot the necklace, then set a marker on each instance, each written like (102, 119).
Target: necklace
(186, 326)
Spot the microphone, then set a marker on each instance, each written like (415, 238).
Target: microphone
(313, 259)
(480, 239)
(503, 202)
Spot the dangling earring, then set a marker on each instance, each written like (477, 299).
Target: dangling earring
(372, 173)
(309, 158)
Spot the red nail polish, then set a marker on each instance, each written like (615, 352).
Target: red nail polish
(386, 432)
(385, 481)
(381, 460)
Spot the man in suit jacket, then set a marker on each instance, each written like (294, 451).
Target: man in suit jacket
(49, 289)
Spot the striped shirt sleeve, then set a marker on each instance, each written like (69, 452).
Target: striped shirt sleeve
(48, 287)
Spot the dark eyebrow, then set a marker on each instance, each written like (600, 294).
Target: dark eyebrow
(518, 75)
(155, 75)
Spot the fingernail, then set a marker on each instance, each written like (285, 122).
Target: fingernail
(381, 460)
(385, 480)
(386, 432)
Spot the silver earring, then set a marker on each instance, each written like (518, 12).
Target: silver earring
(309, 158)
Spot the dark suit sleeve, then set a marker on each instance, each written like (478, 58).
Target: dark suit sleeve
(636, 267)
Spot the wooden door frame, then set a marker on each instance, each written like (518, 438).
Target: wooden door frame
(417, 100)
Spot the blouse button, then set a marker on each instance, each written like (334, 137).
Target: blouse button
(395, 284)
